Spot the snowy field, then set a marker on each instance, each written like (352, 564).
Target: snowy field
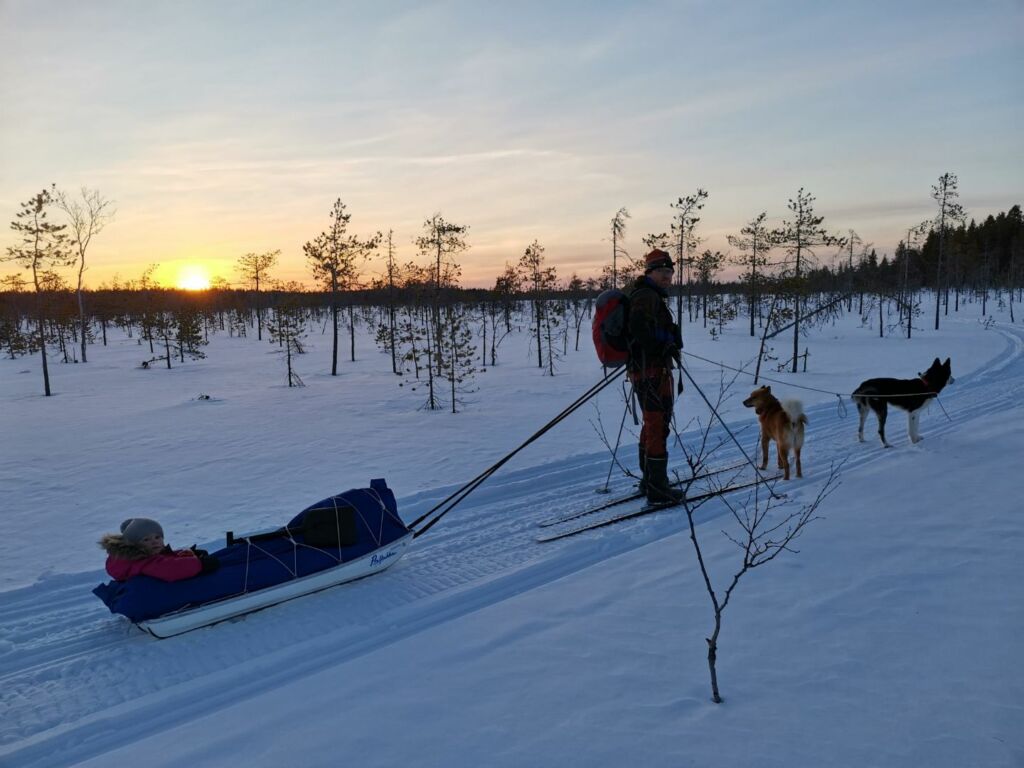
(891, 639)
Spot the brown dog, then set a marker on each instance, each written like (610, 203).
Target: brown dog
(781, 422)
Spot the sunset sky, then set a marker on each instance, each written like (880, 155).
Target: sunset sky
(226, 127)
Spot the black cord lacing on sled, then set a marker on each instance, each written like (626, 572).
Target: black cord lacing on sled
(452, 500)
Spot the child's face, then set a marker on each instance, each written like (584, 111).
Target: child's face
(153, 543)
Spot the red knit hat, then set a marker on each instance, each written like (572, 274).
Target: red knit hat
(656, 259)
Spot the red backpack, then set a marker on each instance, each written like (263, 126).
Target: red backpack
(610, 328)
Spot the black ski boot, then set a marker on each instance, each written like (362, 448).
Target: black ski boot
(642, 486)
(658, 489)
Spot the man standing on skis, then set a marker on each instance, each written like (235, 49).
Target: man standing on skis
(655, 342)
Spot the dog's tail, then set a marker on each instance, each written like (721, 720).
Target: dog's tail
(797, 420)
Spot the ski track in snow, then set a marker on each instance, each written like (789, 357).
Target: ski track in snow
(57, 639)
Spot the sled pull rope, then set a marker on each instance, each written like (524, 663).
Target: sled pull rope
(453, 499)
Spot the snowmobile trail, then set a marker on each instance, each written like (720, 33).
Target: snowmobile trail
(56, 639)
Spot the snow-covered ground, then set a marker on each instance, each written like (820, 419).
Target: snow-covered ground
(891, 639)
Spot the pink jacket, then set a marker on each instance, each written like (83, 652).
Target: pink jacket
(126, 560)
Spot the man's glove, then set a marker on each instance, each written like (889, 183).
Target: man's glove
(677, 336)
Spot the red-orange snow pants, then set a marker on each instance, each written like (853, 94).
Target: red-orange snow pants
(654, 389)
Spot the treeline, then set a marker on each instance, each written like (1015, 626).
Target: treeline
(438, 334)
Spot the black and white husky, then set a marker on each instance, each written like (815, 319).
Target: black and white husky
(909, 394)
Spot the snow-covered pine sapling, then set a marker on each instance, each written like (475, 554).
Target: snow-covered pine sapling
(539, 282)
(945, 193)
(335, 257)
(502, 305)
(440, 242)
(288, 327)
(707, 265)
(685, 241)
(799, 236)
(618, 229)
(190, 336)
(579, 303)
(456, 352)
(254, 268)
(42, 247)
(753, 244)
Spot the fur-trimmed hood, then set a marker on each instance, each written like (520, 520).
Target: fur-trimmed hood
(114, 544)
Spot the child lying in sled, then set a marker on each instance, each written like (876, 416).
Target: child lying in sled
(139, 549)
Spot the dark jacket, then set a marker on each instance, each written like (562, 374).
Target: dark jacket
(655, 339)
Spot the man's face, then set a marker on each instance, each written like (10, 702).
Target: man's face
(662, 277)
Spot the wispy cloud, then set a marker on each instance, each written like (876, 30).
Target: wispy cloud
(224, 127)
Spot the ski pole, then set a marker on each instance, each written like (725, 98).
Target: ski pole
(457, 496)
(726, 426)
(615, 450)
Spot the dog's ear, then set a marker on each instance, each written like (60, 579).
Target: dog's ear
(936, 363)
(946, 364)
(768, 389)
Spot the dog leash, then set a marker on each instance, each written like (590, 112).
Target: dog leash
(841, 402)
(942, 407)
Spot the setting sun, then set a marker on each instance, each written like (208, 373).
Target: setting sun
(193, 278)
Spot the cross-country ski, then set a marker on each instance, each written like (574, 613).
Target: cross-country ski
(648, 509)
(634, 496)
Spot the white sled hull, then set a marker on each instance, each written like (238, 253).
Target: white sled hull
(203, 616)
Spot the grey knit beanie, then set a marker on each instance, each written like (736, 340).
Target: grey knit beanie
(135, 529)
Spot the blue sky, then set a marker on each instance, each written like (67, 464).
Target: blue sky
(226, 127)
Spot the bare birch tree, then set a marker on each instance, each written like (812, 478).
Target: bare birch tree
(87, 216)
